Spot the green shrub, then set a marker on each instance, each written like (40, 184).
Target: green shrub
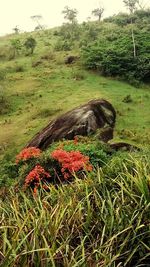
(9, 171)
(141, 17)
(115, 58)
(30, 44)
(96, 151)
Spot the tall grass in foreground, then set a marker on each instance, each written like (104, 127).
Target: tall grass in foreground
(103, 220)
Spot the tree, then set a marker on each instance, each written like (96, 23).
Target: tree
(131, 5)
(70, 14)
(69, 31)
(16, 29)
(98, 12)
(30, 44)
(37, 19)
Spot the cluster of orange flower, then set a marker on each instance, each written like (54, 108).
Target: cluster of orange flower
(35, 177)
(28, 153)
(71, 161)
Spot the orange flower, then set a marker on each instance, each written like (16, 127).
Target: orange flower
(71, 161)
(28, 153)
(35, 177)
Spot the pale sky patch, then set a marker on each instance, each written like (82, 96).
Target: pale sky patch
(18, 12)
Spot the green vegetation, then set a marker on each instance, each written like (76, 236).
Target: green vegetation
(103, 219)
(99, 217)
(30, 44)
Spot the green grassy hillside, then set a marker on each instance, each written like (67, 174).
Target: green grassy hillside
(101, 220)
(46, 87)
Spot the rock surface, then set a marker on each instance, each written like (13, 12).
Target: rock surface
(83, 120)
(124, 146)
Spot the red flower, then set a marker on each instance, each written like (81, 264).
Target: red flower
(37, 175)
(71, 161)
(28, 153)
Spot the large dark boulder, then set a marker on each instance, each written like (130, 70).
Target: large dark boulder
(83, 120)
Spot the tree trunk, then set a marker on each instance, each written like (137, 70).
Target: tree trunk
(133, 41)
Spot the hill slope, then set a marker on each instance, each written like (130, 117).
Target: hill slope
(99, 220)
(40, 87)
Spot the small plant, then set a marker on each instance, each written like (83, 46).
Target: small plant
(35, 177)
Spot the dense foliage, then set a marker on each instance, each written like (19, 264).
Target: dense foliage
(118, 47)
(113, 55)
(140, 17)
(61, 162)
(101, 220)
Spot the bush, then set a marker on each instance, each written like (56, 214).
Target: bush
(30, 44)
(115, 58)
(97, 152)
(141, 17)
(62, 160)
